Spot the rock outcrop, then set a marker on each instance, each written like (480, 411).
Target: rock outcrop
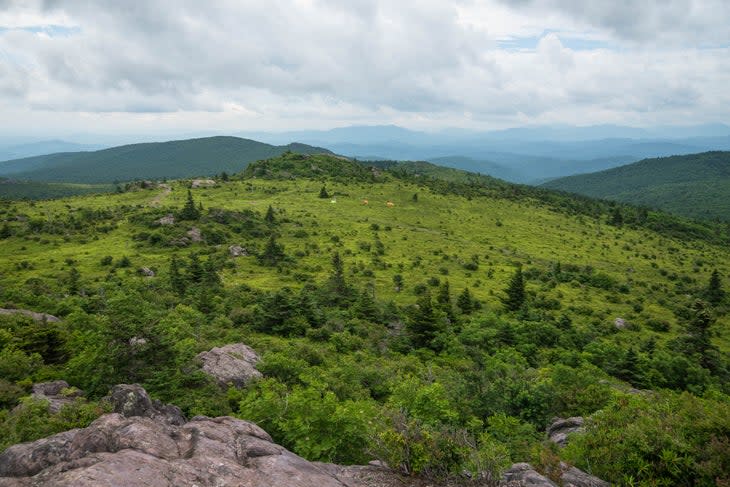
(195, 235)
(237, 251)
(559, 430)
(31, 314)
(168, 219)
(233, 364)
(58, 393)
(523, 475)
(140, 444)
(202, 183)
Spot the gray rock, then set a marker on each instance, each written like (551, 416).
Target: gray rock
(131, 400)
(58, 393)
(237, 251)
(523, 475)
(168, 219)
(31, 314)
(573, 477)
(559, 430)
(130, 450)
(194, 235)
(147, 272)
(202, 183)
(234, 364)
(619, 323)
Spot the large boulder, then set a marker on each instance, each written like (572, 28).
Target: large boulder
(133, 448)
(233, 364)
(523, 475)
(561, 428)
(573, 477)
(131, 400)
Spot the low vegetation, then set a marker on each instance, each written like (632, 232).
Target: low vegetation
(434, 320)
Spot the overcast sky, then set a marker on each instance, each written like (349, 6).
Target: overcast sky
(179, 65)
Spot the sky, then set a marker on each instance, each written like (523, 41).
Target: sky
(163, 66)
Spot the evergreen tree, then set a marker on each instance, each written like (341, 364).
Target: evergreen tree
(273, 252)
(465, 301)
(415, 197)
(714, 292)
(189, 211)
(211, 280)
(365, 306)
(270, 217)
(5, 232)
(323, 193)
(398, 282)
(629, 368)
(698, 332)
(73, 281)
(337, 288)
(195, 270)
(617, 218)
(515, 292)
(177, 282)
(224, 176)
(443, 300)
(424, 325)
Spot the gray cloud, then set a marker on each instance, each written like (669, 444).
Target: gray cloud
(290, 63)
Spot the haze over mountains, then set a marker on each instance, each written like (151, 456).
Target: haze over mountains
(526, 154)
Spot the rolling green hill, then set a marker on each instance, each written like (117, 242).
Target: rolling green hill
(157, 160)
(695, 185)
(431, 318)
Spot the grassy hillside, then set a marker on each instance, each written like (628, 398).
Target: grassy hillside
(158, 160)
(696, 185)
(17, 190)
(435, 324)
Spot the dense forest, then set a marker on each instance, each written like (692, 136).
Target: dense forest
(694, 185)
(434, 319)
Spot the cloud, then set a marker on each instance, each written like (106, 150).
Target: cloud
(303, 63)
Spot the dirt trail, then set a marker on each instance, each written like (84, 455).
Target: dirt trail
(166, 189)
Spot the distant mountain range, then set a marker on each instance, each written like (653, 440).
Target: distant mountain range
(695, 185)
(527, 155)
(30, 149)
(157, 160)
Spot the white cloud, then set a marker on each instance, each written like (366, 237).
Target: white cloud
(235, 65)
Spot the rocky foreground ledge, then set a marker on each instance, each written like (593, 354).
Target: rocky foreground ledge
(146, 443)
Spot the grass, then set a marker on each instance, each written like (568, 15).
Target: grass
(433, 237)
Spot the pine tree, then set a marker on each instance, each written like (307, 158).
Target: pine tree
(73, 281)
(177, 282)
(424, 325)
(323, 193)
(337, 287)
(515, 292)
(189, 211)
(398, 282)
(211, 280)
(465, 301)
(365, 307)
(617, 218)
(195, 270)
(273, 252)
(699, 332)
(224, 176)
(443, 300)
(415, 197)
(270, 217)
(714, 293)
